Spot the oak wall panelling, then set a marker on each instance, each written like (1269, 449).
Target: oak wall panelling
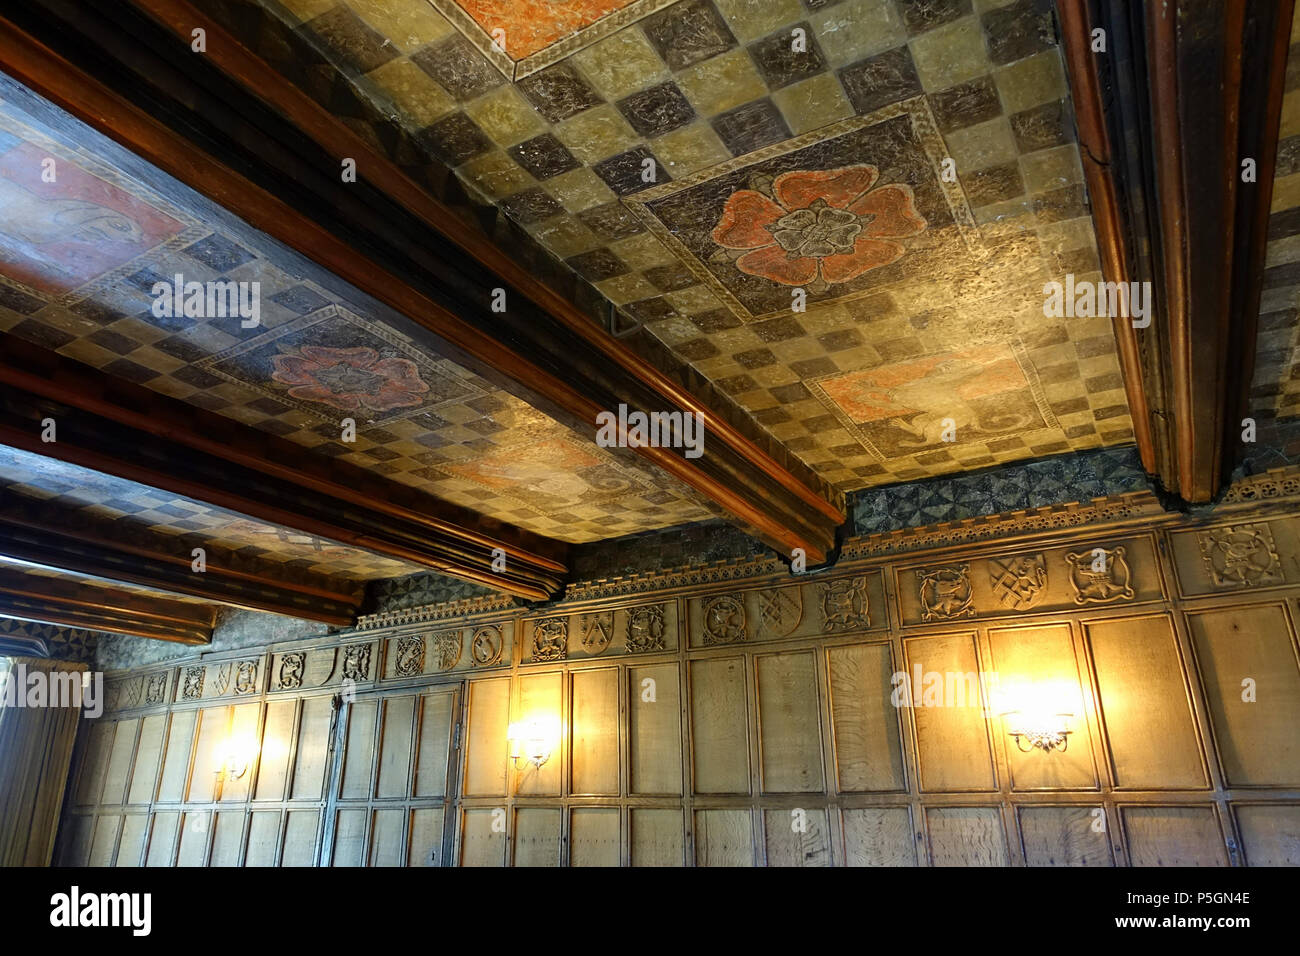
(734, 720)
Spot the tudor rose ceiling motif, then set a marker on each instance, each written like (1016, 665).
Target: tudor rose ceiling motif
(79, 258)
(791, 146)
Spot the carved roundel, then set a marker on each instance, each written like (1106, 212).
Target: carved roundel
(724, 620)
(486, 645)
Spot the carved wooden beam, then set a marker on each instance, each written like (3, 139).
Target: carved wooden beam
(27, 534)
(70, 603)
(123, 429)
(234, 130)
(1178, 109)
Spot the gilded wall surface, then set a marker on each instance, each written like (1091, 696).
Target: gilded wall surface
(1102, 684)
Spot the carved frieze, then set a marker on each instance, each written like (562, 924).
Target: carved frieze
(409, 660)
(946, 593)
(1241, 556)
(245, 677)
(486, 645)
(156, 688)
(597, 630)
(1018, 582)
(645, 629)
(1099, 576)
(845, 604)
(291, 671)
(192, 688)
(221, 678)
(356, 662)
(446, 649)
(724, 619)
(551, 639)
(780, 611)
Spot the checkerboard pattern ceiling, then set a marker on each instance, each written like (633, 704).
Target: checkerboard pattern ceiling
(90, 500)
(79, 259)
(1275, 391)
(788, 145)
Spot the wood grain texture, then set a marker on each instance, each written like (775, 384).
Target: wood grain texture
(789, 723)
(1247, 660)
(1065, 836)
(654, 729)
(594, 731)
(1270, 835)
(719, 727)
(966, 836)
(1174, 836)
(657, 837)
(952, 742)
(594, 836)
(724, 838)
(879, 836)
(1143, 701)
(868, 752)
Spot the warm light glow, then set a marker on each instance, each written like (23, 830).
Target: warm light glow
(236, 757)
(534, 739)
(1037, 714)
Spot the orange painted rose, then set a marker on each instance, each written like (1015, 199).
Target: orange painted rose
(350, 379)
(819, 227)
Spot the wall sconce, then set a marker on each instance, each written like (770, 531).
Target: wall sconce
(1041, 731)
(533, 741)
(235, 759)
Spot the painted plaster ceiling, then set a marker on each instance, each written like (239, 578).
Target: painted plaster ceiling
(774, 169)
(1275, 389)
(78, 260)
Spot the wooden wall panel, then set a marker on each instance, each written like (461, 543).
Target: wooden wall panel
(1256, 728)
(214, 726)
(387, 836)
(424, 848)
(657, 837)
(162, 838)
(130, 847)
(594, 731)
(119, 762)
(75, 840)
(176, 758)
(104, 843)
(1036, 671)
(952, 740)
(395, 739)
(719, 725)
(227, 838)
(1065, 836)
(1270, 834)
(144, 774)
(99, 747)
(194, 838)
(1174, 836)
(879, 836)
(540, 697)
(797, 839)
(263, 838)
(1144, 706)
(359, 749)
(349, 837)
(486, 759)
(966, 836)
(435, 729)
(243, 734)
(480, 844)
(655, 729)
(789, 723)
(594, 836)
(277, 740)
(724, 838)
(864, 721)
(537, 836)
(301, 828)
(313, 749)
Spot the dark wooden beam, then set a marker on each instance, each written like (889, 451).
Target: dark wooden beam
(1183, 94)
(28, 535)
(119, 428)
(261, 148)
(71, 603)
